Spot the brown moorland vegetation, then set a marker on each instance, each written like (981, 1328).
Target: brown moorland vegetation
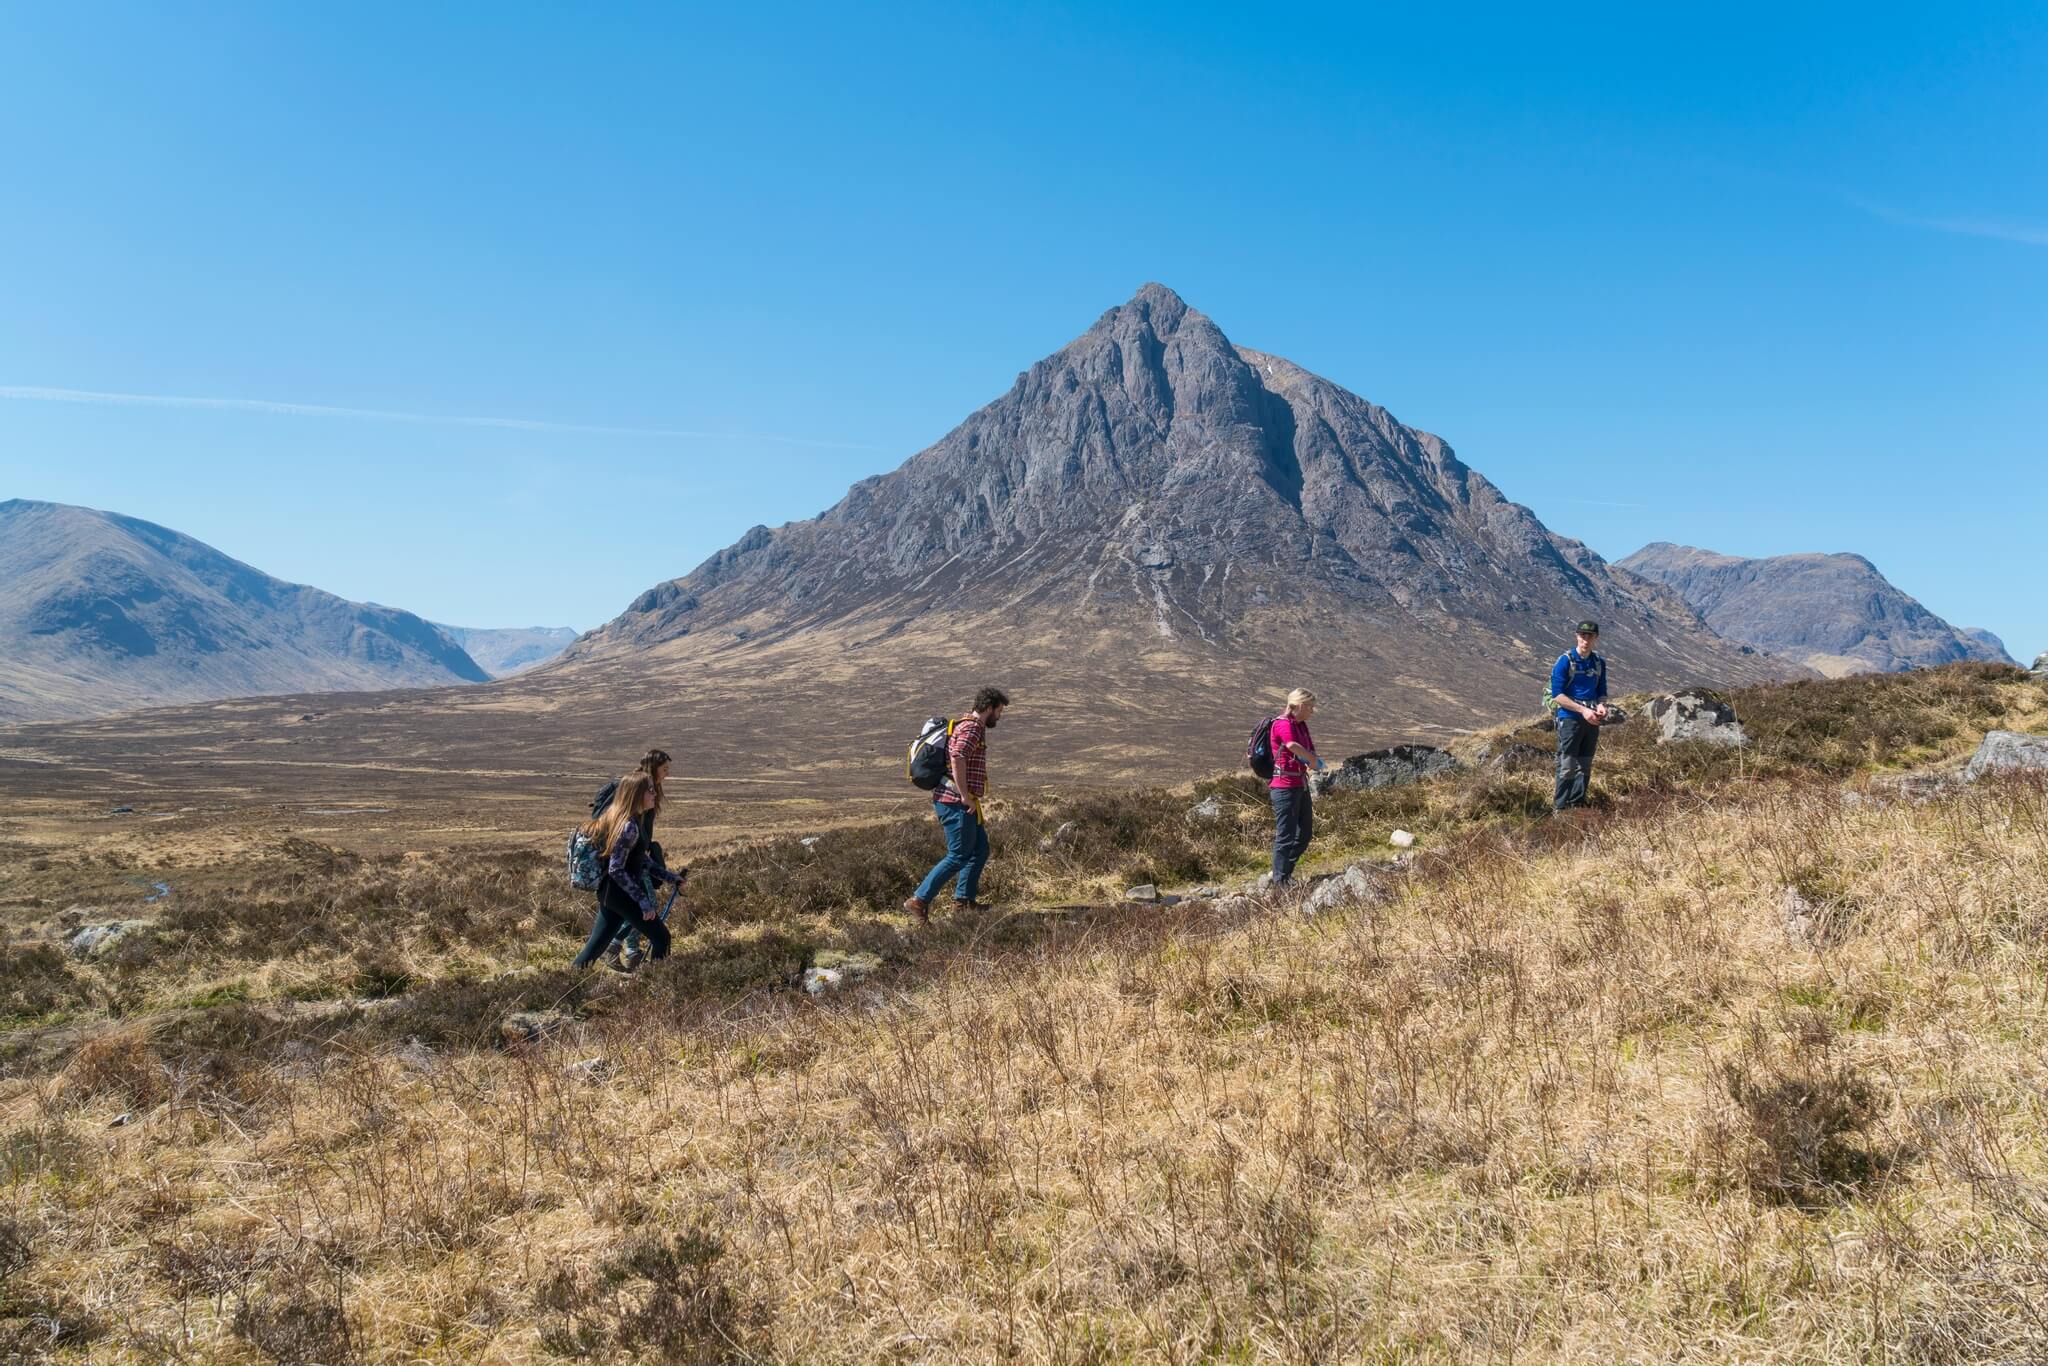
(1568, 1089)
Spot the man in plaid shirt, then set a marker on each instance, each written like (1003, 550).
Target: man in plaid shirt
(957, 804)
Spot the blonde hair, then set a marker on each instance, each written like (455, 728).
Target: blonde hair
(626, 799)
(1298, 697)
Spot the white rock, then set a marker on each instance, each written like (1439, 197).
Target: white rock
(590, 1069)
(1354, 885)
(1208, 809)
(1144, 892)
(1401, 839)
(809, 841)
(2008, 750)
(818, 981)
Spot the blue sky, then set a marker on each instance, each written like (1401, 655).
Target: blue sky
(1749, 279)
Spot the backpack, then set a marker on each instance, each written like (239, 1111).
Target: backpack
(926, 766)
(1571, 671)
(1258, 751)
(586, 862)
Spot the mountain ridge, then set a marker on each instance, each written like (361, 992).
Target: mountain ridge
(1835, 612)
(102, 612)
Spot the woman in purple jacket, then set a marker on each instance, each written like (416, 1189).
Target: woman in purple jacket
(623, 897)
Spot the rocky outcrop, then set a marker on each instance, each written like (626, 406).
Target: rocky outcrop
(1695, 714)
(2041, 662)
(2008, 751)
(1833, 613)
(1392, 767)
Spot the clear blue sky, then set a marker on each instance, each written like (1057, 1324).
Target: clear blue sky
(1762, 278)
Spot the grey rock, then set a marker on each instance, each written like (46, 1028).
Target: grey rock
(2008, 751)
(121, 1120)
(1695, 714)
(1514, 756)
(530, 1026)
(1801, 919)
(1393, 767)
(590, 1070)
(809, 841)
(115, 938)
(1143, 892)
(1205, 893)
(1401, 839)
(1354, 886)
(1060, 838)
(416, 1056)
(2041, 662)
(1832, 613)
(834, 970)
(1208, 809)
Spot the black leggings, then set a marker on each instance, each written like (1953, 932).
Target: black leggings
(614, 916)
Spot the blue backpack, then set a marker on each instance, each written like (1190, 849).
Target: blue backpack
(586, 862)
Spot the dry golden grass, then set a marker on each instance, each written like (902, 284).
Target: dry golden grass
(1568, 1090)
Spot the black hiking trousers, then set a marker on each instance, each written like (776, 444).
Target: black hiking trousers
(1576, 739)
(615, 912)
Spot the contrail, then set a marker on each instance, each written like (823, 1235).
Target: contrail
(37, 394)
(2003, 230)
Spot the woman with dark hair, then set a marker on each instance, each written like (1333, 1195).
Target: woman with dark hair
(626, 895)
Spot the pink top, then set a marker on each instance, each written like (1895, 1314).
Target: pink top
(1289, 771)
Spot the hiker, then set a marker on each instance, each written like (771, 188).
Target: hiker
(1294, 754)
(626, 894)
(625, 953)
(957, 804)
(1578, 689)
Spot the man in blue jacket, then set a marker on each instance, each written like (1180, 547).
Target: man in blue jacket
(1578, 689)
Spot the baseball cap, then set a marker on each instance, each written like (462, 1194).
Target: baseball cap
(1589, 628)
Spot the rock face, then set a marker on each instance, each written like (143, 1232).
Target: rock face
(503, 652)
(2041, 662)
(1385, 768)
(2005, 750)
(101, 613)
(1832, 613)
(1695, 714)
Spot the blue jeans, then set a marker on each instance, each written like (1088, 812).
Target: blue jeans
(1294, 824)
(1576, 739)
(966, 854)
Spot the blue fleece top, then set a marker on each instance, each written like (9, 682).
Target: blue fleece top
(1589, 683)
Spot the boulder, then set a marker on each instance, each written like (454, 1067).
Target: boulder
(1401, 839)
(109, 939)
(1208, 809)
(2041, 662)
(1802, 920)
(2008, 751)
(1695, 714)
(1143, 892)
(1385, 768)
(1354, 886)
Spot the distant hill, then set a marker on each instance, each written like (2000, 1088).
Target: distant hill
(510, 650)
(1833, 613)
(101, 613)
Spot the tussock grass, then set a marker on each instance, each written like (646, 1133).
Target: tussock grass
(1572, 1091)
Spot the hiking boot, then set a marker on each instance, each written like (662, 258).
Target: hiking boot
(631, 959)
(920, 908)
(610, 956)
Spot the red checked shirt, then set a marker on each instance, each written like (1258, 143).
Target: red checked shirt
(969, 749)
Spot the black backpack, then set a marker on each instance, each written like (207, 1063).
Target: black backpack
(926, 766)
(1258, 752)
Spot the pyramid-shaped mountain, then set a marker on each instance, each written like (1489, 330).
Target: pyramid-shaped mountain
(1165, 521)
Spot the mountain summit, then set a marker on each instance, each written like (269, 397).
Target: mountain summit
(1152, 462)
(1157, 513)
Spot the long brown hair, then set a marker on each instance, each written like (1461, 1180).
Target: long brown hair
(651, 764)
(625, 806)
